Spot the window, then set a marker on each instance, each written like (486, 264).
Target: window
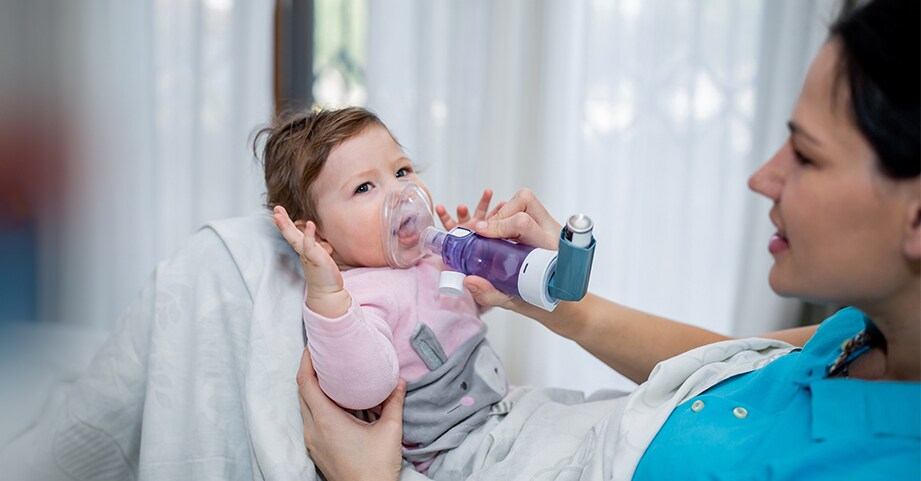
(320, 51)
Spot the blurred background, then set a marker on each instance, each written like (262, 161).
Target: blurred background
(125, 126)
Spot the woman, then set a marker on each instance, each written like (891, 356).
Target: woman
(846, 199)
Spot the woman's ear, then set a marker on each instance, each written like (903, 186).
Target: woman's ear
(912, 246)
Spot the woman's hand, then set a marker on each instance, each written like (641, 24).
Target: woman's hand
(522, 219)
(463, 213)
(345, 448)
(325, 293)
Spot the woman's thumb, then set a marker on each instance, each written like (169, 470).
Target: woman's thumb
(484, 293)
(392, 407)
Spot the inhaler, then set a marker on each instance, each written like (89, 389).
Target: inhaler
(539, 276)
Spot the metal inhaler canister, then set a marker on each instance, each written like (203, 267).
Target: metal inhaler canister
(578, 230)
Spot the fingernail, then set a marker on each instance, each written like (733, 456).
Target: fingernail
(481, 225)
(473, 289)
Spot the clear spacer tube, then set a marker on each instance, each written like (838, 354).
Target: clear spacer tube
(433, 241)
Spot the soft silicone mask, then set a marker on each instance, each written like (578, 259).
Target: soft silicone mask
(406, 216)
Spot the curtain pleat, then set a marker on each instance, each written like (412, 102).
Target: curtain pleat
(647, 116)
(165, 96)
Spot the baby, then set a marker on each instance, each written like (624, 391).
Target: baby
(327, 174)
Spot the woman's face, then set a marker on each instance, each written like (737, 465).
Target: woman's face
(843, 229)
(350, 192)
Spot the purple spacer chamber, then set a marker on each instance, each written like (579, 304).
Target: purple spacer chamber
(497, 260)
(409, 234)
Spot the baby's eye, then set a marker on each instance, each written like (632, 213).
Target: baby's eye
(403, 172)
(363, 188)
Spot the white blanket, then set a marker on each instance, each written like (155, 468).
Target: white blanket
(558, 435)
(197, 379)
(197, 383)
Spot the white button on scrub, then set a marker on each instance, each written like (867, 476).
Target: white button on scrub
(740, 412)
(697, 406)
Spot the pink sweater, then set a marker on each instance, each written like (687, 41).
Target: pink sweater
(360, 356)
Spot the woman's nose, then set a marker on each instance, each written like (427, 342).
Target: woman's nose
(769, 178)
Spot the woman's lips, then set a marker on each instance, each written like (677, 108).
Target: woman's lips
(778, 244)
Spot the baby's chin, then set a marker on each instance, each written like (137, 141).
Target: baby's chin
(358, 263)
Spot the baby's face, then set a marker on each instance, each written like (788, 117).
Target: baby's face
(350, 191)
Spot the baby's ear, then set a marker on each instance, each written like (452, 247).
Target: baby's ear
(318, 236)
(324, 243)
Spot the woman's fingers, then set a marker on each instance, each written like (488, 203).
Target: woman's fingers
(306, 379)
(519, 227)
(486, 295)
(341, 446)
(315, 405)
(306, 376)
(524, 219)
(495, 210)
(525, 201)
(312, 396)
(393, 405)
(306, 414)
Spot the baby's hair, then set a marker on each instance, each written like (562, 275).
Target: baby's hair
(295, 149)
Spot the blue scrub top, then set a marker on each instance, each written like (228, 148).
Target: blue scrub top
(786, 422)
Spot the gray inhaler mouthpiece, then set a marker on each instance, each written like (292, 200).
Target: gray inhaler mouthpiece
(539, 276)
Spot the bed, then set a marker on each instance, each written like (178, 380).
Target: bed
(197, 381)
(39, 362)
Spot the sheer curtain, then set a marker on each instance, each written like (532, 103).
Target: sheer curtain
(162, 97)
(647, 116)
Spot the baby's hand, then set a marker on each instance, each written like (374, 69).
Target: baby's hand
(325, 293)
(463, 214)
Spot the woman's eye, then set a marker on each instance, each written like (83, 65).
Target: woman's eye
(801, 159)
(403, 172)
(363, 188)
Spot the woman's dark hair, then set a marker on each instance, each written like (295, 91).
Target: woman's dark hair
(880, 63)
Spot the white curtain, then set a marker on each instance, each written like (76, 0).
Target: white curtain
(649, 116)
(162, 97)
